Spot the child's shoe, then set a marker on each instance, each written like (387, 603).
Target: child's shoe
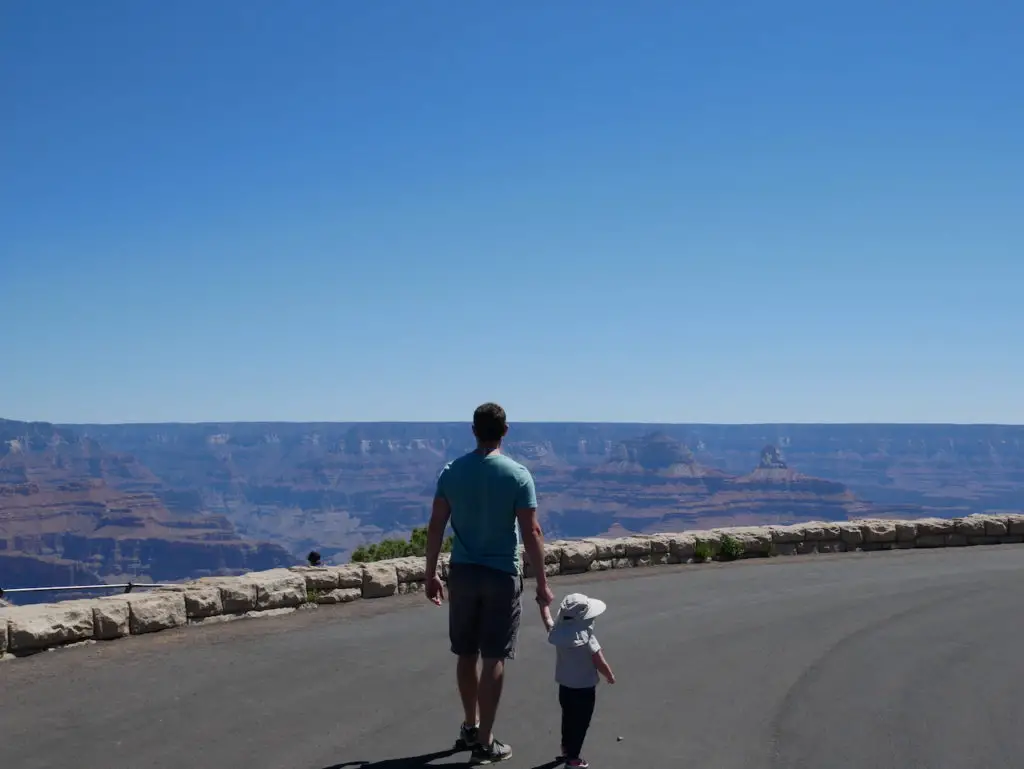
(577, 763)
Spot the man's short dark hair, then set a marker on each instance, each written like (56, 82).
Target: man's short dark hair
(489, 422)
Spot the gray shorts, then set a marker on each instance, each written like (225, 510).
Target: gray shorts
(484, 608)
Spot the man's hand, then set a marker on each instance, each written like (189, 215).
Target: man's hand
(544, 595)
(435, 590)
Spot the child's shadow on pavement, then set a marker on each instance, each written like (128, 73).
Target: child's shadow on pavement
(417, 762)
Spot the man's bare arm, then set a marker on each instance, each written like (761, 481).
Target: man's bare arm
(439, 515)
(533, 541)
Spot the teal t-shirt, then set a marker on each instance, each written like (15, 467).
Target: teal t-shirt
(484, 493)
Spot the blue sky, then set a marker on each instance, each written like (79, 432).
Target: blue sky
(659, 211)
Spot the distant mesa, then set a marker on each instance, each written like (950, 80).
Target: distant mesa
(771, 459)
(656, 454)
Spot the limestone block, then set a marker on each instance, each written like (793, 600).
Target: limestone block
(996, 526)
(662, 543)
(636, 547)
(237, 594)
(606, 548)
(927, 527)
(410, 588)
(956, 540)
(111, 618)
(411, 569)
(380, 579)
(41, 626)
(3, 631)
(1015, 522)
(552, 552)
(351, 574)
(340, 595)
(756, 540)
(875, 531)
(154, 611)
(660, 559)
(319, 578)
(682, 548)
(931, 540)
(622, 563)
(787, 548)
(600, 565)
(817, 531)
(578, 556)
(906, 531)
(851, 533)
(972, 526)
(278, 589)
(1011, 539)
(787, 534)
(203, 601)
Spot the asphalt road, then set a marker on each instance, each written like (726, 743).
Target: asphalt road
(869, 661)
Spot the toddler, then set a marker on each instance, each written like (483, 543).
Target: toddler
(579, 660)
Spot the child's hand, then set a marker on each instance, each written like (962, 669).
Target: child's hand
(545, 615)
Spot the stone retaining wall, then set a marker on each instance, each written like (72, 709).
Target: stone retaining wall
(30, 629)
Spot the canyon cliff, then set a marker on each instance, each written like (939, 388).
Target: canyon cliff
(333, 486)
(176, 500)
(73, 512)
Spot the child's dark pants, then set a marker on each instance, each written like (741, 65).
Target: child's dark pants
(577, 709)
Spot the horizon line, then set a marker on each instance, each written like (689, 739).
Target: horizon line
(512, 423)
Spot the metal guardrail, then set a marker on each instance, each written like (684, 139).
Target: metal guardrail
(126, 586)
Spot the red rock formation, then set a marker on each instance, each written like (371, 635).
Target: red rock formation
(67, 504)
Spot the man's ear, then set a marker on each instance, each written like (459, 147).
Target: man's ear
(474, 432)
(504, 431)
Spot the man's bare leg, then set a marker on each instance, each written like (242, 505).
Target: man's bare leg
(492, 676)
(468, 678)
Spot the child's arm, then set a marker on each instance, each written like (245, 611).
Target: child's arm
(545, 615)
(603, 667)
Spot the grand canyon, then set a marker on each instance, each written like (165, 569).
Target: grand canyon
(86, 503)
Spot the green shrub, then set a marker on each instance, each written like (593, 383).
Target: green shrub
(731, 548)
(702, 552)
(398, 548)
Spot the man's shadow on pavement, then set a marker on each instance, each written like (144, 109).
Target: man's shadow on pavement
(419, 762)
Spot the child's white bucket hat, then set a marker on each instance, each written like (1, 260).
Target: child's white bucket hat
(577, 608)
(575, 620)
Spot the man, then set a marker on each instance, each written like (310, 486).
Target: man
(484, 494)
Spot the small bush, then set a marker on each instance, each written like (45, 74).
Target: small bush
(702, 552)
(398, 548)
(731, 548)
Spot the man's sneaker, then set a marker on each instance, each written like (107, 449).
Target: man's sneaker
(577, 763)
(468, 738)
(491, 754)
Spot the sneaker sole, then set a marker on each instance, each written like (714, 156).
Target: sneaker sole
(485, 761)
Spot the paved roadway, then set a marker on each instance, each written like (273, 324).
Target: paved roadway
(905, 660)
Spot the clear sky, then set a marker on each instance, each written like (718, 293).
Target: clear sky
(658, 211)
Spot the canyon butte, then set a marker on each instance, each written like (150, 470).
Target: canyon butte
(85, 503)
